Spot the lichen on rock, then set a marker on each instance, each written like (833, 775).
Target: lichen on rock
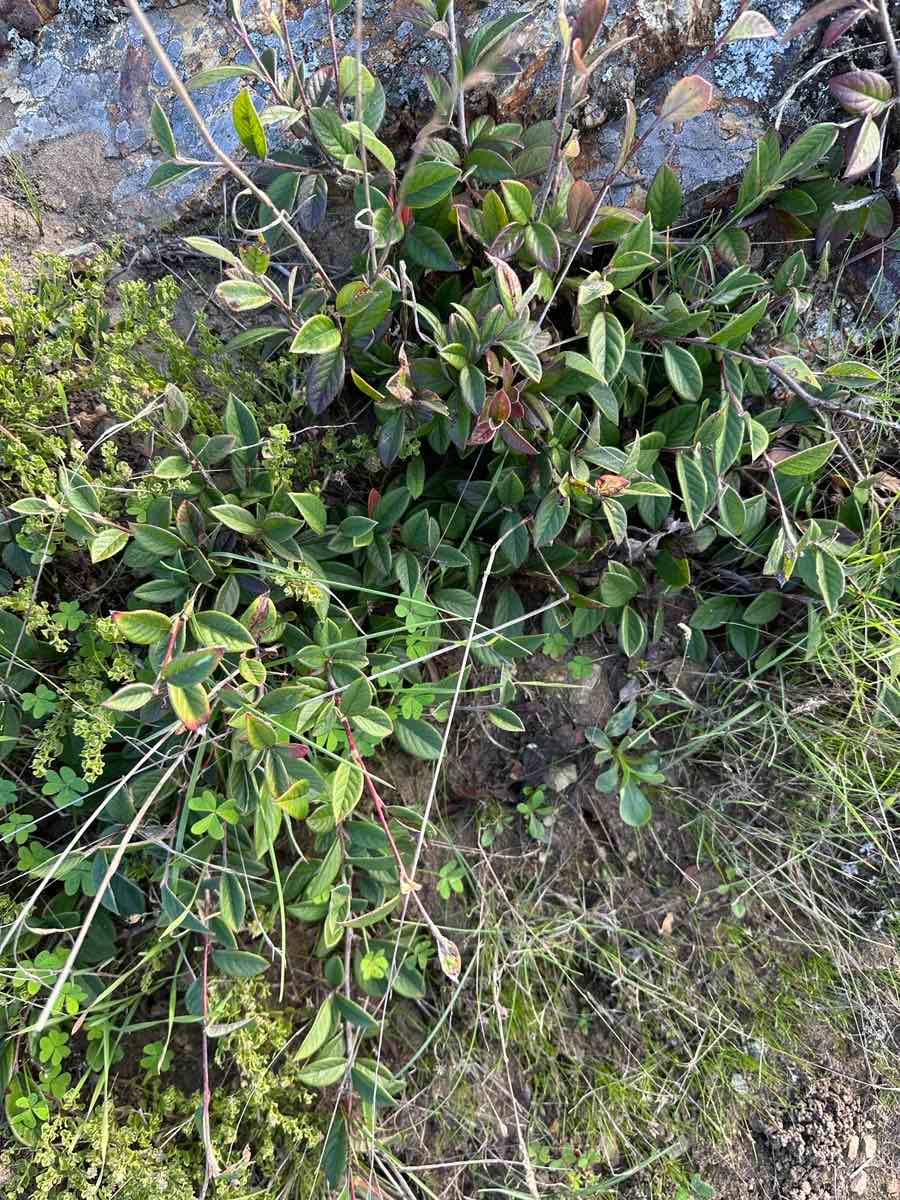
(752, 68)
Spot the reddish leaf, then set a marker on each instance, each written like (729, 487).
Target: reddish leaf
(482, 434)
(610, 485)
(841, 25)
(688, 98)
(508, 241)
(579, 204)
(515, 441)
(825, 8)
(864, 92)
(588, 22)
(500, 407)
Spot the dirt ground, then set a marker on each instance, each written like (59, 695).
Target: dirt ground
(822, 1126)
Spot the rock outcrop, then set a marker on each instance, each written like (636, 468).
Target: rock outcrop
(76, 90)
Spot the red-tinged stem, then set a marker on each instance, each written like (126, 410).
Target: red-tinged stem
(377, 802)
(170, 645)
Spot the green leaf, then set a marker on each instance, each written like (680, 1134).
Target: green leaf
(427, 248)
(129, 698)
(805, 152)
(372, 143)
(174, 466)
(505, 718)
(632, 631)
(606, 345)
(168, 172)
(618, 585)
(205, 245)
(374, 1083)
(318, 335)
(550, 518)
(162, 130)
(318, 1032)
(218, 629)
(489, 166)
(525, 356)
(240, 519)
(830, 578)
(142, 625)
(714, 612)
(692, 481)
(540, 242)
(330, 133)
(674, 572)
(734, 331)
(190, 704)
(311, 509)
(242, 295)
(733, 246)
(107, 543)
(355, 1014)
(155, 540)
(634, 807)
(665, 198)
(323, 1072)
(806, 462)
(854, 373)
(418, 738)
(232, 901)
(428, 183)
(616, 518)
(732, 511)
(193, 667)
(764, 608)
(219, 74)
(346, 790)
(518, 200)
(683, 372)
(328, 871)
(744, 639)
(730, 437)
(759, 438)
(335, 1152)
(239, 964)
(247, 124)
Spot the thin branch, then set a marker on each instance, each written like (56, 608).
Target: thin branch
(796, 387)
(884, 18)
(335, 64)
(455, 68)
(212, 1166)
(114, 864)
(225, 159)
(367, 190)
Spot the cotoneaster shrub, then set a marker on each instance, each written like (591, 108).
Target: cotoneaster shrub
(588, 418)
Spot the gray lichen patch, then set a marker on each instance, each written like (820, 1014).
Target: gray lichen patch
(753, 68)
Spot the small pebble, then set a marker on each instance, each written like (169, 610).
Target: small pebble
(853, 1147)
(870, 1145)
(859, 1183)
